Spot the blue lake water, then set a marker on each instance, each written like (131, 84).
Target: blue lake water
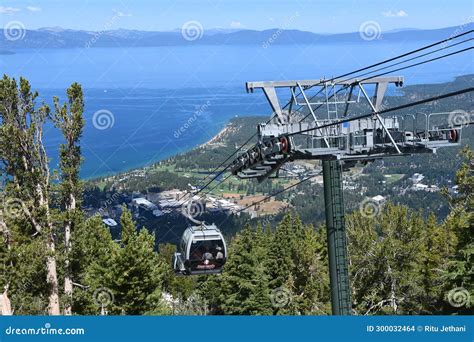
(154, 102)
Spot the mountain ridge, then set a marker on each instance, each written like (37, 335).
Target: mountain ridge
(56, 37)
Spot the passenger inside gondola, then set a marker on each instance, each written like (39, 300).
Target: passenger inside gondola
(206, 255)
(196, 251)
(219, 254)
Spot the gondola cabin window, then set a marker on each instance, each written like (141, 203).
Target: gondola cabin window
(206, 255)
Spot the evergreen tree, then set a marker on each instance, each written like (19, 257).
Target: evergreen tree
(281, 272)
(394, 258)
(459, 284)
(26, 207)
(244, 283)
(69, 119)
(311, 277)
(132, 281)
(281, 252)
(179, 287)
(22, 273)
(91, 255)
(438, 243)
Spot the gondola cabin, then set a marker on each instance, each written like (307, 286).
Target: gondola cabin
(202, 250)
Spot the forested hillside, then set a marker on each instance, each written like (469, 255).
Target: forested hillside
(390, 177)
(55, 260)
(401, 262)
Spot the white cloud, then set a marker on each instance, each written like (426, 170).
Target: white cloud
(33, 8)
(235, 24)
(122, 14)
(8, 10)
(395, 14)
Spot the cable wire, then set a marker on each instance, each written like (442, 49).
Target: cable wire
(393, 59)
(271, 195)
(388, 110)
(344, 75)
(388, 72)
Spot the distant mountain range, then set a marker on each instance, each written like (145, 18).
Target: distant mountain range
(65, 38)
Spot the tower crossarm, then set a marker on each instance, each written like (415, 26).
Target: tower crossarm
(314, 100)
(298, 131)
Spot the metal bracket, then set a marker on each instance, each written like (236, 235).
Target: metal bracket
(272, 98)
(379, 97)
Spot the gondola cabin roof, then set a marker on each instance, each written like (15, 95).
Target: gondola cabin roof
(204, 232)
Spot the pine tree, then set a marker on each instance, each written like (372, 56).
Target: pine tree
(364, 250)
(311, 278)
(438, 243)
(260, 294)
(244, 283)
(460, 267)
(28, 175)
(179, 287)
(385, 254)
(22, 268)
(281, 252)
(91, 256)
(209, 288)
(70, 121)
(134, 275)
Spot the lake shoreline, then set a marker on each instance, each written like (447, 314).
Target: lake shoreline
(224, 130)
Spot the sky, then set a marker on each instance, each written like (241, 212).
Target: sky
(320, 16)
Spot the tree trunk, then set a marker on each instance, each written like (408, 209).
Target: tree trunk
(103, 310)
(51, 268)
(67, 276)
(393, 297)
(52, 278)
(5, 303)
(68, 288)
